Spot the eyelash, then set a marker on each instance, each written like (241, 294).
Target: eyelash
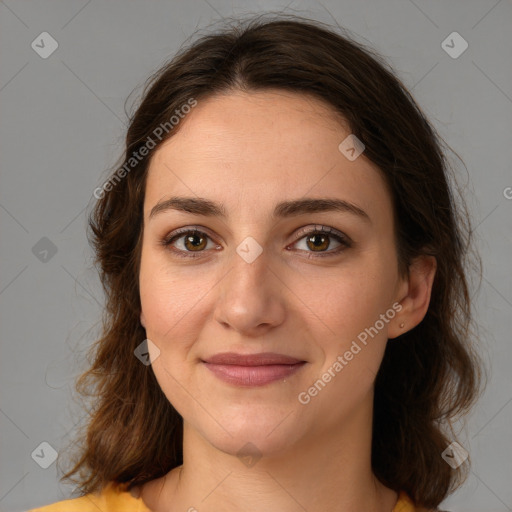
(323, 230)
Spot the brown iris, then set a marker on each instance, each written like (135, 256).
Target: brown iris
(192, 244)
(316, 245)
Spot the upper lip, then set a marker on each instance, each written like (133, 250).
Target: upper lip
(261, 359)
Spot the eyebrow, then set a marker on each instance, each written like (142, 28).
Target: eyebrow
(205, 207)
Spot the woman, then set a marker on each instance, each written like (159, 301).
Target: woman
(288, 314)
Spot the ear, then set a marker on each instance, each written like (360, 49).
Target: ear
(414, 295)
(142, 319)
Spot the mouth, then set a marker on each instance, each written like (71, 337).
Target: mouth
(252, 370)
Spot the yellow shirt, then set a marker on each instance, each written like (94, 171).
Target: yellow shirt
(115, 498)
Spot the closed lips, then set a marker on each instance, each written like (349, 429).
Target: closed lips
(261, 359)
(249, 370)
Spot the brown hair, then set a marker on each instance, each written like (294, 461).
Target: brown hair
(429, 376)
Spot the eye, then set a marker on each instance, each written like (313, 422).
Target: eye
(319, 239)
(185, 242)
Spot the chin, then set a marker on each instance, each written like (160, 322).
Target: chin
(251, 429)
(253, 444)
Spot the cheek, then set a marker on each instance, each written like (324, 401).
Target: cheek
(347, 302)
(351, 312)
(170, 318)
(349, 305)
(175, 309)
(164, 297)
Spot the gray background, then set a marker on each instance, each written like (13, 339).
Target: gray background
(62, 125)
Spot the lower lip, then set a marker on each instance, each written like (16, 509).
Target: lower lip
(250, 376)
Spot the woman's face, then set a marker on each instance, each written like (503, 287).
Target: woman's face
(260, 276)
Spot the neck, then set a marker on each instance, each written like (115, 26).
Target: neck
(329, 471)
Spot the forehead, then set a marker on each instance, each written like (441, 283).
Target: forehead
(256, 125)
(252, 150)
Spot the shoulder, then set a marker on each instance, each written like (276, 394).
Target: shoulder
(405, 504)
(112, 498)
(430, 510)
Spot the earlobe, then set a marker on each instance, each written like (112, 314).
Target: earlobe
(416, 299)
(142, 319)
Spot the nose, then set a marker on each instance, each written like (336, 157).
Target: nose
(250, 298)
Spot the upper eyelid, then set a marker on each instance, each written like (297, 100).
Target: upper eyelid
(179, 232)
(322, 229)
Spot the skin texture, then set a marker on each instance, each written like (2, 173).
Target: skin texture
(248, 152)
